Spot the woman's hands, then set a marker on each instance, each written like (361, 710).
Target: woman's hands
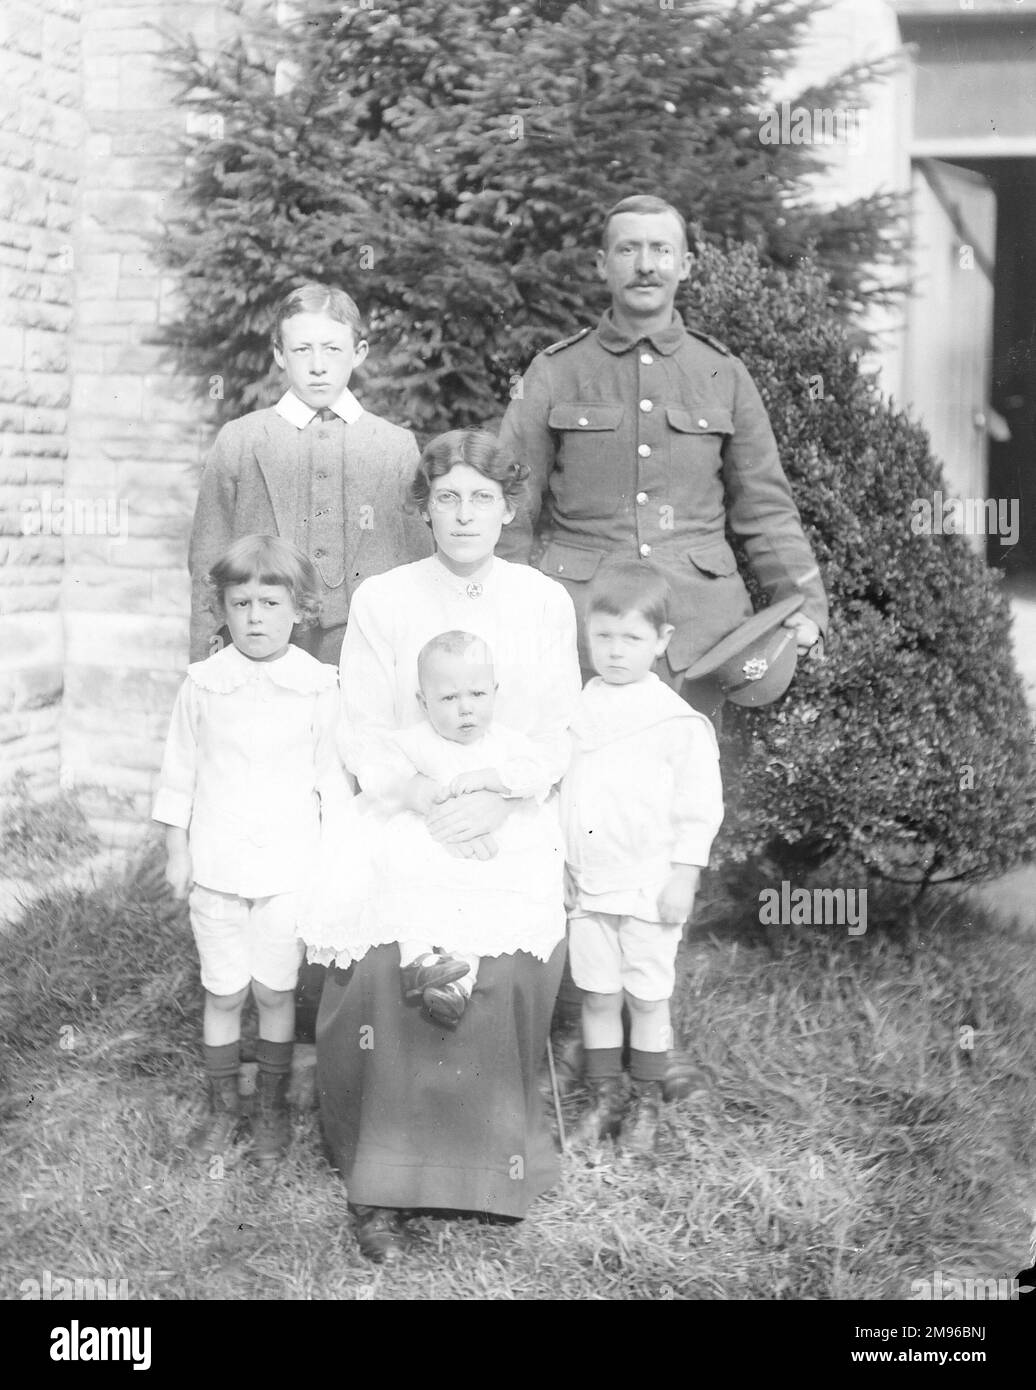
(469, 816)
(462, 822)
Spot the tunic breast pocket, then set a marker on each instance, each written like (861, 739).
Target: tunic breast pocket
(591, 462)
(698, 436)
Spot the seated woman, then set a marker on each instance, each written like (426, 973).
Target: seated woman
(420, 1114)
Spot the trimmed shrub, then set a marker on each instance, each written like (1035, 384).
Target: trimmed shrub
(908, 749)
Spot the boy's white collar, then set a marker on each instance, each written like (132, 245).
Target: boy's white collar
(295, 670)
(299, 414)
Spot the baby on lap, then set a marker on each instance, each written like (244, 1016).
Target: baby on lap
(448, 905)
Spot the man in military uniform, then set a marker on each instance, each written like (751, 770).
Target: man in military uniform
(646, 438)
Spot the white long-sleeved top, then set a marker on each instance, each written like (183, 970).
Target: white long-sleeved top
(420, 749)
(643, 792)
(389, 880)
(528, 622)
(251, 768)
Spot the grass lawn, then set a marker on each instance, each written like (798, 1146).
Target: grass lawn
(854, 1138)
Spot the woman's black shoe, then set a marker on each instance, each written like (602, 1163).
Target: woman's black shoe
(379, 1233)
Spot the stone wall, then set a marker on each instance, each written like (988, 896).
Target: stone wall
(103, 442)
(137, 433)
(42, 130)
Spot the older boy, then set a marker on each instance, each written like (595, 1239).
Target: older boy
(316, 469)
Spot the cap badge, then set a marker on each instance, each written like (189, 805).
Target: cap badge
(755, 668)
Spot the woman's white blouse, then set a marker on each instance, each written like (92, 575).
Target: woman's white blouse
(527, 620)
(251, 769)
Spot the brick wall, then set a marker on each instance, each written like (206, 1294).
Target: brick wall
(41, 136)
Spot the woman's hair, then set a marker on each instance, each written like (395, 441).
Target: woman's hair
(479, 450)
(630, 586)
(312, 298)
(270, 560)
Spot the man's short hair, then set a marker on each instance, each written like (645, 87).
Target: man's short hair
(452, 643)
(630, 586)
(642, 203)
(313, 298)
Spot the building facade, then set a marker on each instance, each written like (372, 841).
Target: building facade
(954, 128)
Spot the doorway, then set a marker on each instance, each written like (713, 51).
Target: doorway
(1012, 461)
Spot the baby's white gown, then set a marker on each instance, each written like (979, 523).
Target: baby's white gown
(386, 879)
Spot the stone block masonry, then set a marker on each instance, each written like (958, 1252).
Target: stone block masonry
(101, 443)
(42, 128)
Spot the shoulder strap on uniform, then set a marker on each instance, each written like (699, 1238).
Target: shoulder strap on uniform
(566, 342)
(707, 338)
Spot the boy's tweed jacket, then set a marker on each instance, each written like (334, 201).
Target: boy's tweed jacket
(250, 486)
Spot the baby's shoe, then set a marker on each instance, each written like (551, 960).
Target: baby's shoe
(640, 1130)
(432, 971)
(446, 1003)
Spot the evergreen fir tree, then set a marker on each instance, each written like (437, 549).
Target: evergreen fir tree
(449, 162)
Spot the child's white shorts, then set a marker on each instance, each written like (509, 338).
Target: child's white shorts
(607, 953)
(243, 939)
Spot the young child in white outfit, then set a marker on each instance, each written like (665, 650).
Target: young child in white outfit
(641, 804)
(491, 896)
(250, 772)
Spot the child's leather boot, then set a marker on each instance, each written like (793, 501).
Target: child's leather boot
(222, 1128)
(271, 1124)
(640, 1130)
(604, 1118)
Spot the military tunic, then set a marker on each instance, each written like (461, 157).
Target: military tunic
(649, 447)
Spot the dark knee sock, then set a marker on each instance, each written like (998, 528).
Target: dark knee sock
(602, 1062)
(223, 1061)
(274, 1057)
(648, 1066)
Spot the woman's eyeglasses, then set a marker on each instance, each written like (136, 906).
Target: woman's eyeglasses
(445, 501)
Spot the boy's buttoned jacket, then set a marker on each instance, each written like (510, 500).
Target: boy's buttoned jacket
(250, 486)
(649, 448)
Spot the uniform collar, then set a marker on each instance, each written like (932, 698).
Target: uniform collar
(299, 414)
(610, 336)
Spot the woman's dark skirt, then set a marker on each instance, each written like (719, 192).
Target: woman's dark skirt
(421, 1116)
